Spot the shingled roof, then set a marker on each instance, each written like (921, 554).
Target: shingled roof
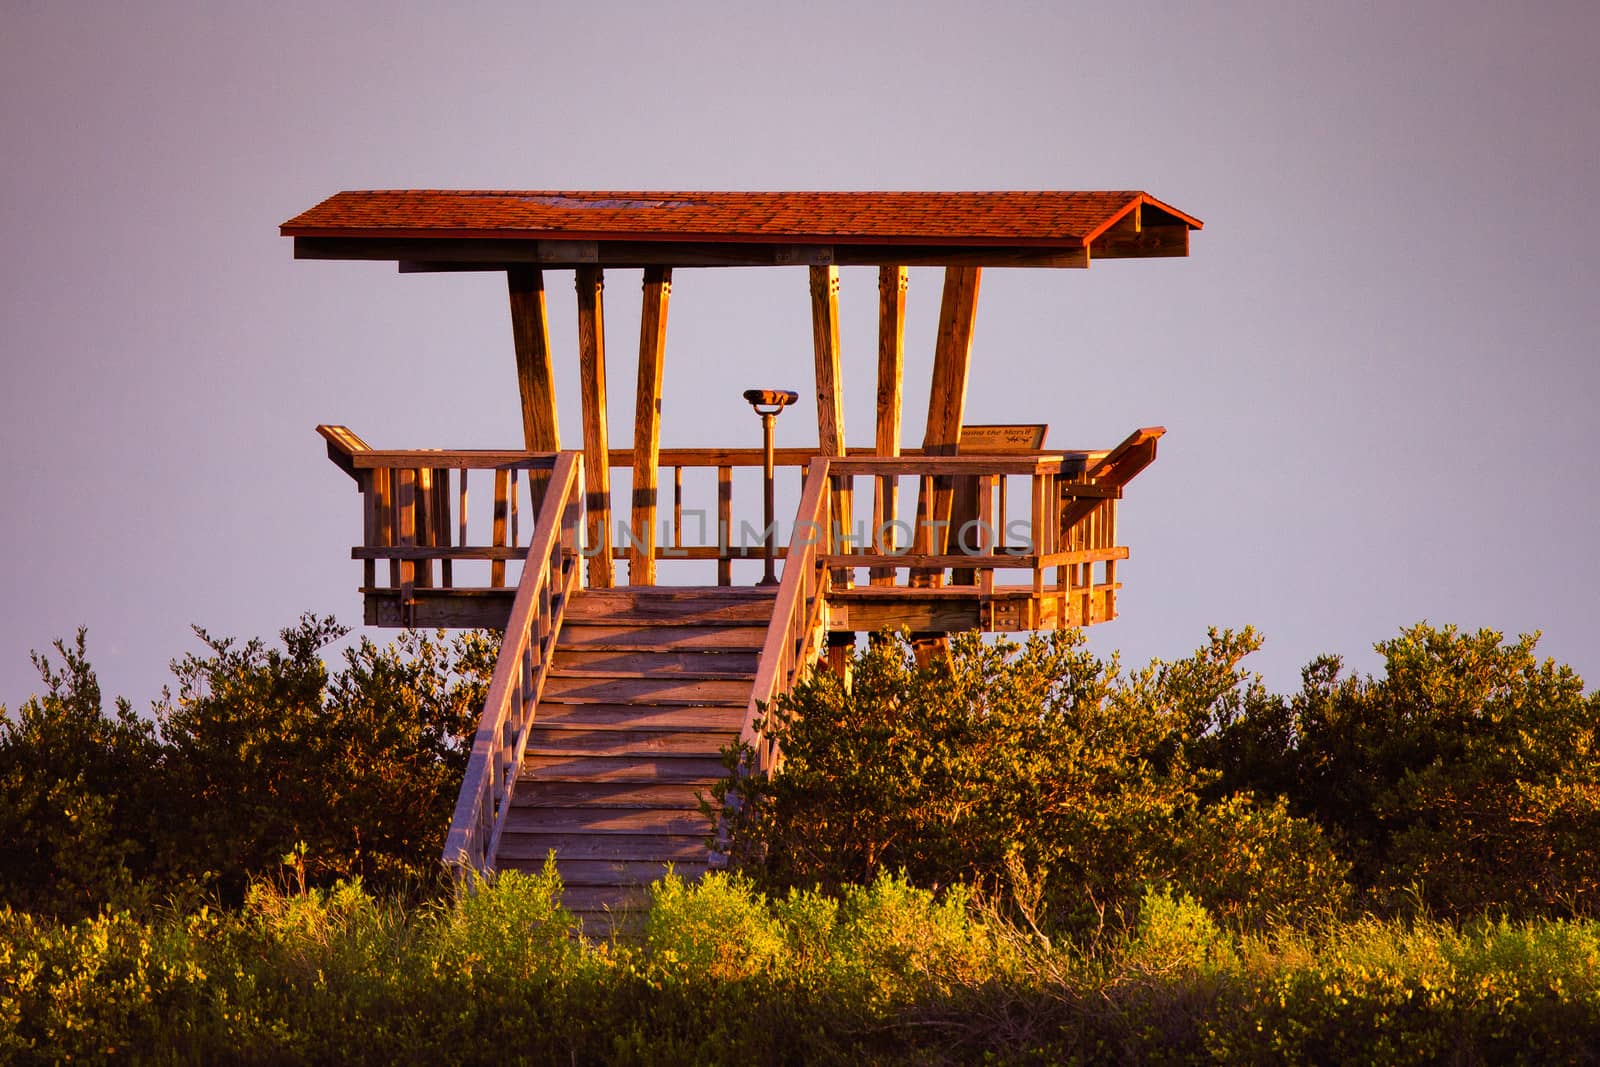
(489, 228)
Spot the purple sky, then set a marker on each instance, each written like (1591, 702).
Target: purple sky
(1377, 367)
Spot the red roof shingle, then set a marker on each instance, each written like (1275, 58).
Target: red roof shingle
(1060, 219)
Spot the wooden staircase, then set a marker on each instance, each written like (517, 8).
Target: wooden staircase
(646, 685)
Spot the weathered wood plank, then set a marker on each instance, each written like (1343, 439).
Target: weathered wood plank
(449, 608)
(595, 906)
(590, 284)
(617, 872)
(656, 661)
(1149, 242)
(645, 690)
(633, 716)
(647, 424)
(472, 458)
(434, 254)
(624, 768)
(633, 848)
(577, 636)
(609, 821)
(702, 606)
(446, 552)
(654, 797)
(549, 740)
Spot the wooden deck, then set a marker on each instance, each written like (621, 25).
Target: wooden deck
(927, 543)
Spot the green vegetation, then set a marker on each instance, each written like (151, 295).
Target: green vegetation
(258, 751)
(1463, 781)
(1019, 855)
(886, 974)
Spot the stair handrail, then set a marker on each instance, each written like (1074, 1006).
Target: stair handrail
(794, 632)
(550, 573)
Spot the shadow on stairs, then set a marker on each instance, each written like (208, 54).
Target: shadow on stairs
(646, 685)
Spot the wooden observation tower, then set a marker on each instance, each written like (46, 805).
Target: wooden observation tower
(611, 699)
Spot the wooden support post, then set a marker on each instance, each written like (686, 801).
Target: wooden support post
(841, 654)
(947, 397)
(892, 285)
(596, 459)
(530, 333)
(647, 425)
(830, 381)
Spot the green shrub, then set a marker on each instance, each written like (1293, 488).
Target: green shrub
(719, 927)
(267, 749)
(1037, 772)
(1466, 776)
(80, 794)
(260, 750)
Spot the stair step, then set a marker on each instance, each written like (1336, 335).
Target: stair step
(577, 741)
(579, 634)
(610, 821)
(662, 768)
(646, 685)
(631, 716)
(688, 605)
(606, 798)
(713, 663)
(646, 690)
(611, 872)
(588, 900)
(650, 672)
(664, 724)
(623, 848)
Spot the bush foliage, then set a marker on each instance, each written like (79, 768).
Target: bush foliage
(1038, 772)
(889, 974)
(259, 753)
(1463, 780)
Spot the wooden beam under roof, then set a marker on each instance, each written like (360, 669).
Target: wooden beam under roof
(590, 283)
(437, 255)
(1149, 242)
(647, 424)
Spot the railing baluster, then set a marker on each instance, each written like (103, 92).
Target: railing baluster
(516, 491)
(724, 524)
(677, 507)
(497, 569)
(369, 526)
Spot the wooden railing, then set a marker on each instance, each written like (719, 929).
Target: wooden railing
(964, 525)
(415, 511)
(723, 538)
(550, 573)
(794, 635)
(968, 524)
